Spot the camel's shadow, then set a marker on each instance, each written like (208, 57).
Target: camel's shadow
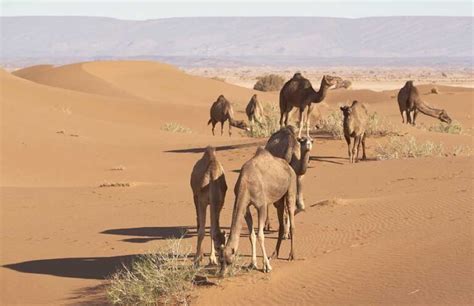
(219, 148)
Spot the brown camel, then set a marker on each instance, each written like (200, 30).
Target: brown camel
(263, 180)
(254, 111)
(354, 125)
(409, 100)
(221, 111)
(298, 92)
(209, 187)
(295, 151)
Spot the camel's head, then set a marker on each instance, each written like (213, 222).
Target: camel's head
(330, 80)
(346, 111)
(305, 143)
(241, 125)
(443, 116)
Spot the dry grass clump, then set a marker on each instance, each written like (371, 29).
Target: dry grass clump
(269, 123)
(175, 127)
(407, 147)
(115, 185)
(376, 125)
(216, 78)
(454, 128)
(434, 90)
(271, 82)
(163, 277)
(117, 168)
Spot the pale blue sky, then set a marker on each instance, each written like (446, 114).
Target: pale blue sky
(128, 9)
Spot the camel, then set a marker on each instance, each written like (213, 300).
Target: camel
(354, 125)
(298, 92)
(221, 111)
(409, 100)
(254, 111)
(295, 151)
(209, 187)
(263, 180)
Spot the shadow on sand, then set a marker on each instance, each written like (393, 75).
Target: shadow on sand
(220, 148)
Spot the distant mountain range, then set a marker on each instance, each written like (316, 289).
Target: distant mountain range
(240, 40)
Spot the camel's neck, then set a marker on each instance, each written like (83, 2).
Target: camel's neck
(427, 110)
(318, 96)
(240, 207)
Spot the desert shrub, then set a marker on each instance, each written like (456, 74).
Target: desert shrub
(434, 90)
(216, 78)
(376, 125)
(269, 123)
(332, 124)
(271, 82)
(379, 126)
(454, 128)
(163, 277)
(175, 128)
(407, 147)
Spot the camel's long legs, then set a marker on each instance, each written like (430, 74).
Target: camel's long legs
(201, 229)
(300, 122)
(262, 215)
(354, 150)
(213, 127)
(222, 128)
(364, 157)
(348, 140)
(291, 216)
(308, 120)
(408, 116)
(253, 238)
(358, 139)
(280, 210)
(415, 113)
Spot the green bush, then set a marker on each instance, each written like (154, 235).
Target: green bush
(270, 123)
(454, 128)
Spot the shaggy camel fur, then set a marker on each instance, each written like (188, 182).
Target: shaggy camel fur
(209, 187)
(409, 100)
(263, 180)
(295, 151)
(221, 111)
(354, 125)
(254, 111)
(298, 92)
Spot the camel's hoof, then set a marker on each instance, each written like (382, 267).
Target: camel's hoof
(298, 210)
(252, 266)
(285, 236)
(267, 268)
(291, 257)
(213, 262)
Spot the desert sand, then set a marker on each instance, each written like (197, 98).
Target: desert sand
(375, 232)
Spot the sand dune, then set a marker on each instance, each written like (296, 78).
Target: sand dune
(377, 232)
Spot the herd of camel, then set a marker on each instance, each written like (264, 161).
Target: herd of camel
(275, 173)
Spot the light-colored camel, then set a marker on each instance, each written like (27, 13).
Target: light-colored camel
(346, 84)
(409, 100)
(298, 92)
(254, 111)
(296, 152)
(209, 187)
(355, 125)
(263, 180)
(221, 111)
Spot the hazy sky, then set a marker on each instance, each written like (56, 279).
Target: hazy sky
(129, 9)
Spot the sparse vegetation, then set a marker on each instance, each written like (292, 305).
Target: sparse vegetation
(175, 127)
(407, 147)
(454, 128)
(114, 185)
(163, 277)
(271, 82)
(376, 125)
(117, 168)
(269, 123)
(216, 78)
(434, 90)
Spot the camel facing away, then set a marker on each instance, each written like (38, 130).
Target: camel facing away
(263, 180)
(409, 100)
(221, 111)
(354, 125)
(254, 111)
(298, 92)
(209, 187)
(296, 152)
